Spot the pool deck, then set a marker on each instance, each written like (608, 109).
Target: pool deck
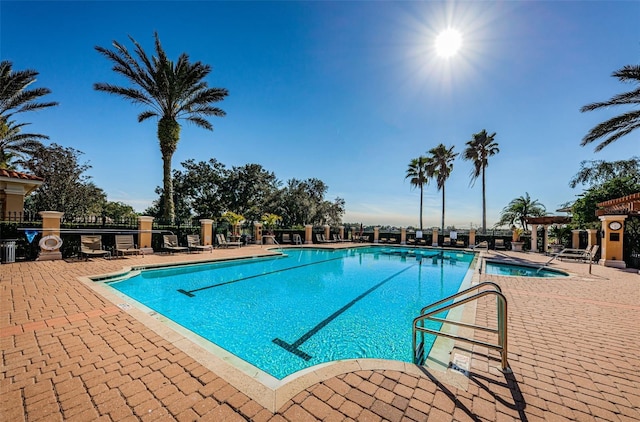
(69, 353)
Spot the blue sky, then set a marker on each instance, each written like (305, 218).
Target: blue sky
(344, 91)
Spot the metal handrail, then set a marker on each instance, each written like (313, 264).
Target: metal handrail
(427, 313)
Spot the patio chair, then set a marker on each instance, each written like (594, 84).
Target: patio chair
(193, 243)
(223, 243)
(286, 238)
(460, 244)
(170, 244)
(91, 246)
(446, 241)
(125, 245)
(500, 244)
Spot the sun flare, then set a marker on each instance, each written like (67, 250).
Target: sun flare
(448, 42)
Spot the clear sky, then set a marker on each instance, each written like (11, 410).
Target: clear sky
(344, 91)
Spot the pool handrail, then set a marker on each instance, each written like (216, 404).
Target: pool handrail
(428, 313)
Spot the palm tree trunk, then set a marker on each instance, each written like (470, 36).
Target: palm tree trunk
(421, 196)
(443, 209)
(169, 210)
(484, 205)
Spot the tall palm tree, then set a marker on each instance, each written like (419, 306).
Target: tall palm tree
(439, 167)
(417, 175)
(623, 124)
(16, 97)
(519, 209)
(171, 90)
(15, 145)
(478, 151)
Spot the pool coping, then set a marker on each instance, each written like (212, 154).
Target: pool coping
(265, 389)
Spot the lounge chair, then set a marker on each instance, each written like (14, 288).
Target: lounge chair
(446, 241)
(125, 245)
(286, 238)
(223, 243)
(170, 244)
(460, 244)
(585, 255)
(320, 238)
(193, 243)
(500, 244)
(91, 246)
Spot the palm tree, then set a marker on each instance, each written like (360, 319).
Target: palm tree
(478, 150)
(623, 124)
(15, 97)
(15, 145)
(439, 166)
(171, 90)
(519, 209)
(417, 173)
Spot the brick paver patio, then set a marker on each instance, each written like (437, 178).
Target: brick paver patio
(70, 354)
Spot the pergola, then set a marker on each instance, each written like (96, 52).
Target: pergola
(545, 221)
(629, 205)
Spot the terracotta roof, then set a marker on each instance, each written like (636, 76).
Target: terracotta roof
(12, 174)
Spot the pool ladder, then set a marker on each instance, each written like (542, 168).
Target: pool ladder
(429, 312)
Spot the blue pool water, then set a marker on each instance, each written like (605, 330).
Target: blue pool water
(498, 268)
(310, 306)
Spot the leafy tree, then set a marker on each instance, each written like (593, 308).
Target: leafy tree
(247, 189)
(598, 171)
(417, 175)
(302, 202)
(172, 91)
(16, 97)
(621, 125)
(118, 210)
(519, 209)
(200, 188)
(584, 209)
(66, 187)
(440, 166)
(478, 151)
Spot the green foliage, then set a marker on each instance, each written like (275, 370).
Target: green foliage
(417, 175)
(623, 124)
(233, 218)
(584, 209)
(598, 171)
(519, 209)
(66, 187)
(439, 167)
(270, 221)
(478, 151)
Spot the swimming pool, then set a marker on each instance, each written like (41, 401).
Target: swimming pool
(307, 307)
(513, 270)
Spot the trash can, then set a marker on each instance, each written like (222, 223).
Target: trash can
(7, 251)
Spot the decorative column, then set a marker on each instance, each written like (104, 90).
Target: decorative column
(257, 233)
(472, 237)
(534, 238)
(434, 237)
(592, 237)
(575, 239)
(145, 225)
(206, 231)
(612, 241)
(341, 232)
(545, 241)
(51, 242)
(376, 234)
(327, 232)
(308, 234)
(403, 235)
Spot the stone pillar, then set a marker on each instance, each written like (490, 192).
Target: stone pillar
(472, 237)
(257, 233)
(327, 232)
(592, 237)
(575, 239)
(534, 238)
(50, 246)
(434, 237)
(308, 234)
(403, 235)
(206, 231)
(341, 232)
(545, 239)
(145, 225)
(612, 241)
(376, 234)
